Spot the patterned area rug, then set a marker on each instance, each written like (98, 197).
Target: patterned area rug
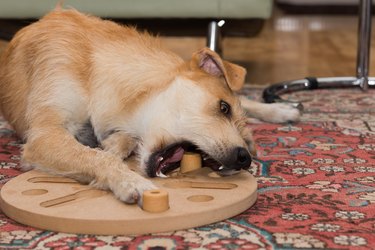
(316, 187)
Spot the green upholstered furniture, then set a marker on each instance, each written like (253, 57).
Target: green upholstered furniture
(212, 10)
(143, 8)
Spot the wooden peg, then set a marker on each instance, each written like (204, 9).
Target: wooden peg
(190, 161)
(155, 201)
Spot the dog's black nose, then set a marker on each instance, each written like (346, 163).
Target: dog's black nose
(238, 159)
(243, 158)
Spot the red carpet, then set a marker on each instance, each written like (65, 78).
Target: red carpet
(316, 187)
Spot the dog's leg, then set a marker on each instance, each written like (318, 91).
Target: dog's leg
(271, 112)
(120, 144)
(52, 148)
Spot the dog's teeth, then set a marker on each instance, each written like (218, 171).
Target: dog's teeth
(221, 168)
(160, 158)
(160, 174)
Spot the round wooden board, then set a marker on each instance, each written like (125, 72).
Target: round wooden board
(60, 204)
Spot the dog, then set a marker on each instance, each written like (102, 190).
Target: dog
(108, 105)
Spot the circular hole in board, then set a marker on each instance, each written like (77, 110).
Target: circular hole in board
(35, 192)
(200, 198)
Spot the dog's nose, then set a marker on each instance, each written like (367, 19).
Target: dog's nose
(243, 158)
(238, 159)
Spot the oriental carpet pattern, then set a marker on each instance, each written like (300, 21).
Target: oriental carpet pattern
(316, 186)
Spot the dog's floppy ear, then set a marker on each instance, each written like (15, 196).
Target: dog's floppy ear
(210, 62)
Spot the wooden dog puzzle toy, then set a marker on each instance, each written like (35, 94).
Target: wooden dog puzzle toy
(188, 200)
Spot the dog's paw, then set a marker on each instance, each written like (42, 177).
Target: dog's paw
(285, 112)
(25, 166)
(247, 135)
(120, 144)
(130, 190)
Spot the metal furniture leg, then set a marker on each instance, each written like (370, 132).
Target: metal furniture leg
(364, 39)
(272, 93)
(214, 37)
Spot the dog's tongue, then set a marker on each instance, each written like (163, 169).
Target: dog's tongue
(177, 156)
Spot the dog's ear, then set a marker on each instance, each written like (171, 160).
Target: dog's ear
(210, 62)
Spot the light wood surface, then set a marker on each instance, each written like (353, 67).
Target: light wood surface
(61, 204)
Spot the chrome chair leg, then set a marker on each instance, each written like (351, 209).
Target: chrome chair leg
(214, 37)
(272, 93)
(364, 39)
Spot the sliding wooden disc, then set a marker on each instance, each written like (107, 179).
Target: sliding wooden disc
(60, 204)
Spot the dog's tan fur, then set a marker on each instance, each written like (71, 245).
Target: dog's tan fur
(68, 68)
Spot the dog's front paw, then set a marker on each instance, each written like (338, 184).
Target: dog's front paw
(120, 144)
(285, 112)
(131, 188)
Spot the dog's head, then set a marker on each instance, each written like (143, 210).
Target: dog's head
(200, 112)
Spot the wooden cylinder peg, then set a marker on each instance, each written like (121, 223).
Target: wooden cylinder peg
(190, 161)
(155, 201)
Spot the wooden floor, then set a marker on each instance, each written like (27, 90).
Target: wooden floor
(292, 47)
(289, 47)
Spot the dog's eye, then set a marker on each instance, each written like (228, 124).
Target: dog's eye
(224, 108)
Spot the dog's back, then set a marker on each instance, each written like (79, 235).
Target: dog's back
(55, 58)
(27, 62)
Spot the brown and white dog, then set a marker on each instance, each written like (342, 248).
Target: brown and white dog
(88, 95)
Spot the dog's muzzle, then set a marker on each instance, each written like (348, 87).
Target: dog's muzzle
(168, 159)
(238, 159)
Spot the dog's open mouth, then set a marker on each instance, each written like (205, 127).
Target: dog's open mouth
(168, 159)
